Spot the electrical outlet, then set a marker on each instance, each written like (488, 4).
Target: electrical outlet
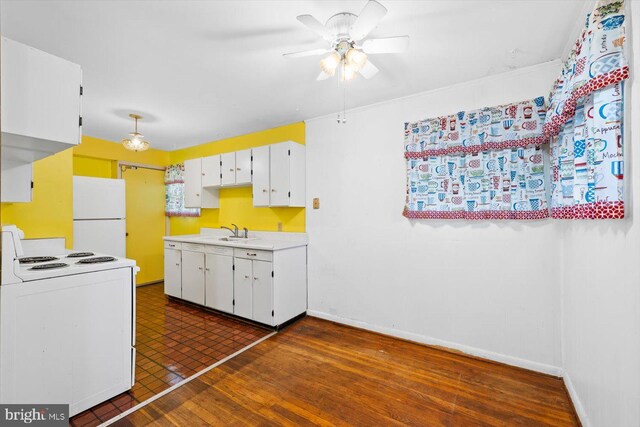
(279, 226)
(316, 203)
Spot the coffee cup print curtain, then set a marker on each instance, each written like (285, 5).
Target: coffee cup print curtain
(174, 192)
(480, 164)
(584, 121)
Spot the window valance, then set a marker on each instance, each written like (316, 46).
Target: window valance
(469, 132)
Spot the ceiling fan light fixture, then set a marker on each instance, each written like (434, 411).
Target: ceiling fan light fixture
(356, 59)
(330, 63)
(136, 141)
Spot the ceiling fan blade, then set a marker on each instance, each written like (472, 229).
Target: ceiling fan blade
(368, 19)
(314, 25)
(387, 45)
(304, 53)
(368, 70)
(323, 76)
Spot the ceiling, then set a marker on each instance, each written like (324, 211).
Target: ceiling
(205, 70)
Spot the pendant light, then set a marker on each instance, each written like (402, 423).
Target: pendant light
(135, 142)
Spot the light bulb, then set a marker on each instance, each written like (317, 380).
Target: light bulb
(330, 63)
(348, 72)
(356, 59)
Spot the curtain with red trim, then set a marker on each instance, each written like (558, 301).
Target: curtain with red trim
(174, 192)
(480, 164)
(584, 121)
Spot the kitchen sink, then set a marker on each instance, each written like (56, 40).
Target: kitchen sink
(237, 239)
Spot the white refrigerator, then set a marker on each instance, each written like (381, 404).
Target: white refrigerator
(99, 215)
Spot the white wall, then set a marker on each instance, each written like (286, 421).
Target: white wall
(601, 289)
(488, 288)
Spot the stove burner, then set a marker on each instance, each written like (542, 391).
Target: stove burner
(49, 266)
(96, 260)
(80, 255)
(37, 259)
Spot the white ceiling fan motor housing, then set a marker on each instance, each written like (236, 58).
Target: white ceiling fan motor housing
(340, 24)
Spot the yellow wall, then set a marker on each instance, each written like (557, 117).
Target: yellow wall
(50, 213)
(236, 204)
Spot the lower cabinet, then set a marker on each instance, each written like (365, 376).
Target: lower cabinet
(193, 276)
(173, 272)
(218, 280)
(268, 287)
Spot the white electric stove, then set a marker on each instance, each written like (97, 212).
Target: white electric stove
(67, 324)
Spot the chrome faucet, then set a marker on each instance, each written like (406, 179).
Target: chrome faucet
(246, 232)
(234, 233)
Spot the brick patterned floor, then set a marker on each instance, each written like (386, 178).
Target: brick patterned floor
(174, 341)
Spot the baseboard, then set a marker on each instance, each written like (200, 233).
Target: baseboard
(473, 351)
(575, 399)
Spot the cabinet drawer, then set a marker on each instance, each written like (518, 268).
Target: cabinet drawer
(172, 245)
(253, 254)
(197, 247)
(221, 250)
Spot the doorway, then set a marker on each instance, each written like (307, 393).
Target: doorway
(146, 223)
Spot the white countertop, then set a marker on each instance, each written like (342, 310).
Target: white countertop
(258, 240)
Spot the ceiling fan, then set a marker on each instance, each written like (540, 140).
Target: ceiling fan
(348, 51)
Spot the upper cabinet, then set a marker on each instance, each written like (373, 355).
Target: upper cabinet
(41, 112)
(195, 195)
(40, 97)
(279, 175)
(236, 168)
(276, 172)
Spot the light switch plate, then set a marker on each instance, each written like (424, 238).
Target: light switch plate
(316, 203)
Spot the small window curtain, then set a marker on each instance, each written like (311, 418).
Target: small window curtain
(174, 192)
(480, 164)
(584, 121)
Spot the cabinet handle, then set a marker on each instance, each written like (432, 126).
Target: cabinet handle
(273, 190)
(198, 194)
(177, 264)
(202, 173)
(207, 269)
(255, 278)
(200, 268)
(230, 170)
(249, 254)
(237, 169)
(264, 190)
(171, 245)
(246, 277)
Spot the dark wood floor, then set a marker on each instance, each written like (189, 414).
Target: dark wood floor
(319, 373)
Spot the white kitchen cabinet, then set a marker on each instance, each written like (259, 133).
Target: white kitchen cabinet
(228, 167)
(16, 182)
(262, 292)
(243, 167)
(195, 195)
(173, 271)
(243, 288)
(211, 171)
(193, 276)
(261, 188)
(219, 281)
(41, 102)
(193, 183)
(279, 175)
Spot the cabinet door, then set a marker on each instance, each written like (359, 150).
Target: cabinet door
(279, 174)
(40, 94)
(192, 183)
(228, 168)
(211, 171)
(242, 288)
(193, 276)
(243, 167)
(219, 282)
(16, 182)
(261, 190)
(262, 292)
(172, 273)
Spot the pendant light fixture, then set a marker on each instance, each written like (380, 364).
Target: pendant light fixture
(135, 142)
